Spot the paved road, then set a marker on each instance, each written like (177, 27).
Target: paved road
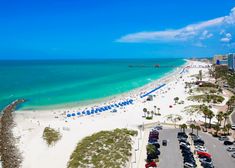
(233, 117)
(171, 156)
(220, 156)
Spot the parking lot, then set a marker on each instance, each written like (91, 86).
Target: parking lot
(171, 156)
(221, 157)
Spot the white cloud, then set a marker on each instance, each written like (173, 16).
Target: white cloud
(205, 35)
(198, 30)
(227, 38)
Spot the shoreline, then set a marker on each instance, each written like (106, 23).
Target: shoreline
(165, 78)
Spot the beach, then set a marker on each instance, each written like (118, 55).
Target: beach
(31, 123)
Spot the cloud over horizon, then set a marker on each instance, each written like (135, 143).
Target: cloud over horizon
(196, 33)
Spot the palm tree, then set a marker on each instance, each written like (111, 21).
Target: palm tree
(219, 117)
(176, 99)
(145, 111)
(210, 115)
(183, 127)
(226, 116)
(228, 126)
(158, 109)
(200, 75)
(152, 114)
(205, 111)
(217, 128)
(230, 102)
(150, 149)
(155, 110)
(192, 126)
(224, 130)
(198, 128)
(148, 113)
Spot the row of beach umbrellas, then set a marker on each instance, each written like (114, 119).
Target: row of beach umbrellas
(101, 109)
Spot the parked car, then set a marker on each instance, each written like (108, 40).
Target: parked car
(150, 164)
(231, 149)
(207, 165)
(199, 142)
(164, 142)
(200, 148)
(233, 127)
(182, 134)
(228, 143)
(223, 138)
(233, 155)
(206, 154)
(188, 165)
(158, 127)
(205, 159)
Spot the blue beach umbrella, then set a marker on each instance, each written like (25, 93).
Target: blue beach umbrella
(120, 104)
(116, 105)
(78, 113)
(73, 114)
(83, 113)
(68, 115)
(109, 107)
(88, 112)
(124, 103)
(112, 105)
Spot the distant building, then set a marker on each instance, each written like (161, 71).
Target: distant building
(220, 60)
(231, 61)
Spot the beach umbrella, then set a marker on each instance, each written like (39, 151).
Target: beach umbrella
(112, 105)
(88, 112)
(116, 105)
(83, 113)
(68, 115)
(78, 113)
(114, 110)
(109, 107)
(120, 104)
(73, 114)
(131, 101)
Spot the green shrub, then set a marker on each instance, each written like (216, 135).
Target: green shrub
(51, 136)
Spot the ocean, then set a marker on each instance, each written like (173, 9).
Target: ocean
(48, 83)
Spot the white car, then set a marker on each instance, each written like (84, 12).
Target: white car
(185, 144)
(231, 149)
(233, 127)
(188, 165)
(201, 148)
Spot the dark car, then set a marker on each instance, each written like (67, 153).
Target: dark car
(182, 134)
(228, 143)
(164, 142)
(207, 165)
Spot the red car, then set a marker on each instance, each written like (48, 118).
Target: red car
(200, 153)
(151, 164)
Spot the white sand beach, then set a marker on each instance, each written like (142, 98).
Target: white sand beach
(30, 124)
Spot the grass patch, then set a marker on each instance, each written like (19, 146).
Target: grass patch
(51, 136)
(103, 149)
(207, 98)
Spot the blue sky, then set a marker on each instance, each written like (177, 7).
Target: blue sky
(61, 29)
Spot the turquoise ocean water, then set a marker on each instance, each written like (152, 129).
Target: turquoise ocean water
(52, 83)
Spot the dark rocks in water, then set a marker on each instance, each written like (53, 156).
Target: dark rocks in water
(10, 155)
